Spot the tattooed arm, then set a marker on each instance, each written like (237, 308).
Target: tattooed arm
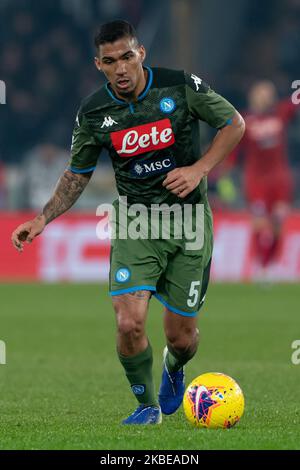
(66, 193)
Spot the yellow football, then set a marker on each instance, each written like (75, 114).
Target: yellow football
(213, 400)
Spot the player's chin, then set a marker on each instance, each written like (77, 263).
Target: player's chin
(125, 91)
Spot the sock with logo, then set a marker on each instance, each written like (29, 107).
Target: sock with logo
(175, 361)
(138, 370)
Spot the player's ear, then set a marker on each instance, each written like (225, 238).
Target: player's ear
(97, 63)
(142, 52)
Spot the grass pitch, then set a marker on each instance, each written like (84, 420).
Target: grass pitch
(63, 387)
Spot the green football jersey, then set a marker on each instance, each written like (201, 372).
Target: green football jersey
(149, 137)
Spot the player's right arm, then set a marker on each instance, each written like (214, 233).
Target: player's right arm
(67, 191)
(84, 154)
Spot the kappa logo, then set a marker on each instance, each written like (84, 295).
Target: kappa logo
(197, 81)
(108, 121)
(146, 138)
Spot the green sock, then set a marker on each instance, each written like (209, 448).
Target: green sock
(138, 370)
(175, 362)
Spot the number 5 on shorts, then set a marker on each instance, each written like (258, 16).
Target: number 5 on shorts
(193, 294)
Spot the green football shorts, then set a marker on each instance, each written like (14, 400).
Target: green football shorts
(173, 266)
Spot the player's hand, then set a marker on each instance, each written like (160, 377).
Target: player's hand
(182, 181)
(27, 232)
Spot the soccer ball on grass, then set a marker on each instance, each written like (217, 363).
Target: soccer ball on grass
(213, 400)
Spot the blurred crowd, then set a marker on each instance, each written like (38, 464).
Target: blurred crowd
(46, 63)
(45, 74)
(47, 68)
(268, 48)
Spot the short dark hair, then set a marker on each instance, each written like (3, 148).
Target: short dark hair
(114, 30)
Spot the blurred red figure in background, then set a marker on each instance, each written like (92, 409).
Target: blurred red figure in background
(268, 182)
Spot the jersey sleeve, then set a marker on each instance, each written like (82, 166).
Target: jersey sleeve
(85, 149)
(205, 104)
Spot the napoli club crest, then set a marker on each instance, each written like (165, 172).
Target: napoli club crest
(167, 105)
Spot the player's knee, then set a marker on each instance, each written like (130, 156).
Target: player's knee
(183, 341)
(185, 334)
(128, 326)
(130, 319)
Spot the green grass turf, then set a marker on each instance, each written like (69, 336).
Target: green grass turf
(63, 387)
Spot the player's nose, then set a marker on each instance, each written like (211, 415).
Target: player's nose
(121, 68)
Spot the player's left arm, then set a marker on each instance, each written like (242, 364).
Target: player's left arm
(207, 105)
(184, 180)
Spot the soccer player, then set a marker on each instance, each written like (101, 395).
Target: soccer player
(147, 118)
(268, 179)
